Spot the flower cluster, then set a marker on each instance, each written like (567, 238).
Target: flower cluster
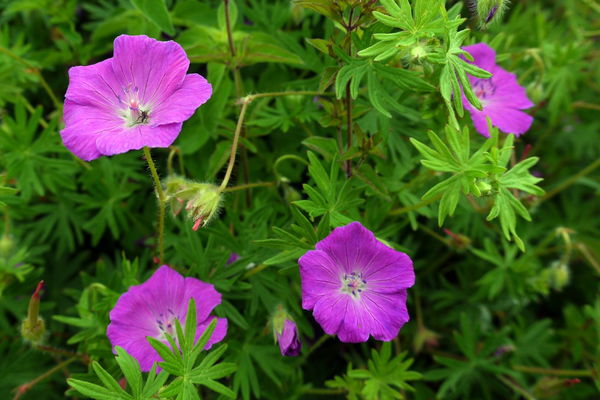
(355, 285)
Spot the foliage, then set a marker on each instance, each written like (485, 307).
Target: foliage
(353, 112)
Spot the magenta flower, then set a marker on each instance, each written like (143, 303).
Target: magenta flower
(289, 342)
(139, 97)
(150, 309)
(501, 95)
(356, 285)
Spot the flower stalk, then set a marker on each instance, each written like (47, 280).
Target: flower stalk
(161, 204)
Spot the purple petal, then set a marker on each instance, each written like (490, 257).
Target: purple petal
(83, 125)
(509, 120)
(289, 343)
(356, 325)
(389, 271)
(205, 296)
(182, 104)
(156, 68)
(508, 92)
(483, 55)
(94, 85)
(479, 121)
(350, 247)
(388, 313)
(330, 311)
(217, 335)
(319, 275)
(134, 343)
(136, 137)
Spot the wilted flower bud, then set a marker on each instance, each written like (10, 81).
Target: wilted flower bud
(285, 332)
(33, 327)
(201, 200)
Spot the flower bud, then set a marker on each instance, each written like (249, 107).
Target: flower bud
(559, 275)
(33, 327)
(487, 11)
(6, 246)
(200, 200)
(285, 332)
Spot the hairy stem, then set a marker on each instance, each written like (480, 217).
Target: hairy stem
(516, 387)
(413, 207)
(161, 205)
(249, 186)
(552, 371)
(586, 171)
(21, 390)
(236, 137)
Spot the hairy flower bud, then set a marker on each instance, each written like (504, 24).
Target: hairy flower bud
(33, 327)
(200, 200)
(487, 11)
(285, 332)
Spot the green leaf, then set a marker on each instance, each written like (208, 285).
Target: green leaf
(92, 390)
(156, 11)
(131, 371)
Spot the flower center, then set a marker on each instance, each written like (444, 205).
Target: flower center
(353, 284)
(166, 324)
(132, 111)
(484, 88)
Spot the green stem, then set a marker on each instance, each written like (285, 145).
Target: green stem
(517, 388)
(420, 204)
(37, 72)
(21, 390)
(161, 205)
(552, 371)
(236, 137)
(249, 186)
(587, 170)
(296, 93)
(316, 345)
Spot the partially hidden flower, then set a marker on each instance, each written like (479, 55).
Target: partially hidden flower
(139, 97)
(501, 96)
(150, 309)
(356, 285)
(202, 201)
(289, 342)
(233, 257)
(286, 333)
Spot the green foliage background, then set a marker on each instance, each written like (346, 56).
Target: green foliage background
(506, 304)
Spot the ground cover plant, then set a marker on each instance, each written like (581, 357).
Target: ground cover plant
(275, 199)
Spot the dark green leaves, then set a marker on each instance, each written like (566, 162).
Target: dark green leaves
(181, 356)
(112, 390)
(385, 378)
(156, 11)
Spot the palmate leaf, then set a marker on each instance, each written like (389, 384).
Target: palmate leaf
(385, 376)
(181, 356)
(483, 173)
(331, 196)
(29, 156)
(111, 388)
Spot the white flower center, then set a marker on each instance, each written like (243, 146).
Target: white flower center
(353, 284)
(133, 111)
